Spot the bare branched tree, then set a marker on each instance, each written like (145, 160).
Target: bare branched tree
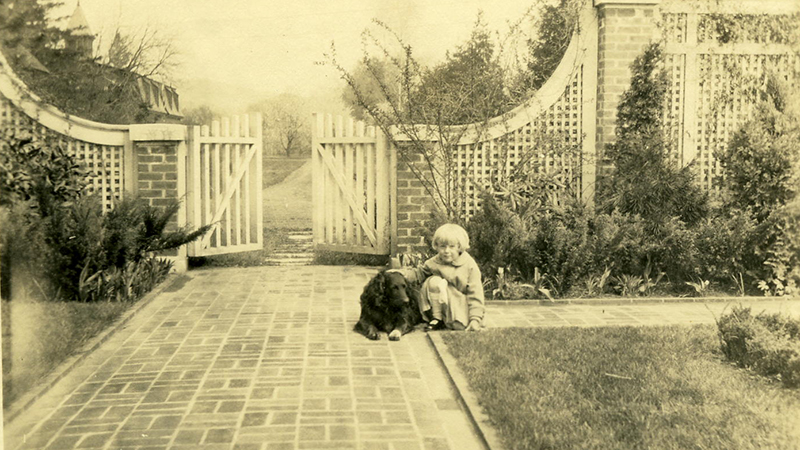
(286, 128)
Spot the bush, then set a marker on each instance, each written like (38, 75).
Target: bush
(645, 181)
(569, 245)
(93, 256)
(769, 344)
(762, 174)
(724, 242)
(37, 169)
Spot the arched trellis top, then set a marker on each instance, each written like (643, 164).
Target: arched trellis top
(15, 90)
(581, 50)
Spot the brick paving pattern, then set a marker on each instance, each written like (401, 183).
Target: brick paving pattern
(264, 358)
(258, 358)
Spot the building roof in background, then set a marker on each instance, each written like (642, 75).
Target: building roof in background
(78, 23)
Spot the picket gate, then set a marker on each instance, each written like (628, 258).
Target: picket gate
(225, 185)
(353, 177)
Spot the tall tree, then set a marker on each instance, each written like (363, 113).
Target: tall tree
(644, 180)
(24, 22)
(468, 87)
(554, 26)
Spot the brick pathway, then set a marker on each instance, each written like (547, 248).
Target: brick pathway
(264, 358)
(257, 358)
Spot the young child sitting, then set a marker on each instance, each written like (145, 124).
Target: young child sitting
(452, 290)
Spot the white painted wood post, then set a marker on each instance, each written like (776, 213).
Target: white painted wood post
(318, 178)
(690, 91)
(259, 174)
(589, 151)
(392, 196)
(382, 194)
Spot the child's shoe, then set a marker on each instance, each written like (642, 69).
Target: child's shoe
(435, 324)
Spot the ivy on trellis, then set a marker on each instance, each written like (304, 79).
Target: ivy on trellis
(756, 28)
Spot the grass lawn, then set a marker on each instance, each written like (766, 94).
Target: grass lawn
(38, 336)
(276, 169)
(622, 388)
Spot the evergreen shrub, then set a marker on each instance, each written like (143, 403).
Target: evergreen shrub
(769, 344)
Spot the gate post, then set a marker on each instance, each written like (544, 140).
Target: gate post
(160, 153)
(625, 27)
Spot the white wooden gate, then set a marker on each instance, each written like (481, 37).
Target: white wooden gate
(353, 178)
(224, 185)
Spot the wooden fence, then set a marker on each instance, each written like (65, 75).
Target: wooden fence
(351, 188)
(225, 172)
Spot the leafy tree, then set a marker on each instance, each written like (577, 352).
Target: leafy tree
(761, 158)
(373, 75)
(432, 105)
(644, 180)
(24, 23)
(554, 26)
(468, 87)
(199, 115)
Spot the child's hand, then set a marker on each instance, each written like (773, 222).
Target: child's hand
(474, 325)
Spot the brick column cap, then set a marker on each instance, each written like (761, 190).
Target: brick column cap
(158, 132)
(625, 2)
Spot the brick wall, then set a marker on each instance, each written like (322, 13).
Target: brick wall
(414, 206)
(624, 30)
(157, 175)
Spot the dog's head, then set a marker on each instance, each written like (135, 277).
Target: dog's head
(386, 289)
(395, 289)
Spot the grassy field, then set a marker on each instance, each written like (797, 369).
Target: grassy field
(277, 168)
(622, 388)
(38, 336)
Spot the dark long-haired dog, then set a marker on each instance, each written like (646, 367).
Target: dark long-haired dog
(390, 305)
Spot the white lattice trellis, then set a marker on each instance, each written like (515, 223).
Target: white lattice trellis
(716, 62)
(105, 163)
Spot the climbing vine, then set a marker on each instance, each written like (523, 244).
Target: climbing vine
(739, 28)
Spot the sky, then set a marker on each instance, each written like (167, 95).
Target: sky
(273, 47)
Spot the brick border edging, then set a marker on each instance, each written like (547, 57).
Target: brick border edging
(26, 400)
(634, 300)
(479, 419)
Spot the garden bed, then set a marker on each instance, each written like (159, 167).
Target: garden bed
(39, 336)
(622, 387)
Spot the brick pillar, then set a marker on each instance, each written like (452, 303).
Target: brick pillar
(160, 153)
(625, 27)
(414, 205)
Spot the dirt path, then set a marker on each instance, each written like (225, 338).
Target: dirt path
(288, 204)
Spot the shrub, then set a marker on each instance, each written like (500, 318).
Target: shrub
(92, 254)
(496, 236)
(72, 236)
(762, 173)
(38, 169)
(569, 246)
(132, 281)
(645, 181)
(725, 245)
(769, 344)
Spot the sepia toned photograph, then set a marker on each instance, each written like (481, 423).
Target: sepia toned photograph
(400, 224)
